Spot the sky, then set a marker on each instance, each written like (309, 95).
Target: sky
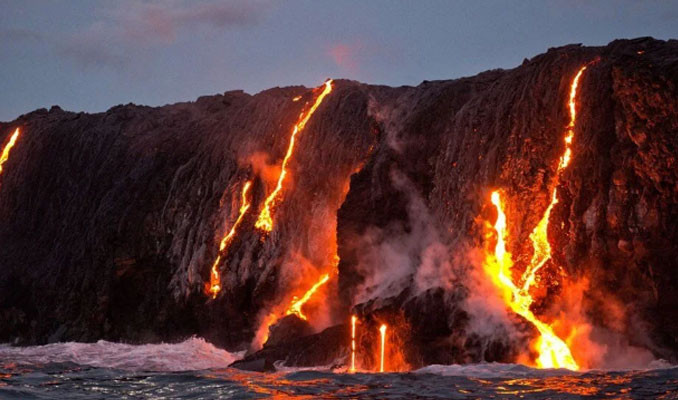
(89, 55)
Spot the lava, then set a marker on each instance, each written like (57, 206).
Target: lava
(215, 280)
(297, 304)
(353, 321)
(539, 236)
(265, 220)
(8, 147)
(553, 352)
(382, 331)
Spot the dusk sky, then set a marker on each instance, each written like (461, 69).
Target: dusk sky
(89, 55)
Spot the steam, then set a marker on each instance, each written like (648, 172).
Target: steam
(403, 254)
(489, 317)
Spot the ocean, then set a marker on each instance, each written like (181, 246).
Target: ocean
(195, 369)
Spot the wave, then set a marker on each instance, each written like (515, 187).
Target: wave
(192, 354)
(499, 370)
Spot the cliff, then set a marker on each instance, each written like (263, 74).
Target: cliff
(111, 221)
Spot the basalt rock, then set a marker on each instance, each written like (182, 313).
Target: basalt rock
(111, 221)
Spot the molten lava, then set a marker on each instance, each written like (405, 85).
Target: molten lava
(8, 147)
(382, 331)
(553, 352)
(265, 220)
(215, 280)
(297, 304)
(539, 236)
(353, 321)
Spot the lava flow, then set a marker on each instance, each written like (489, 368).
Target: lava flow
(353, 321)
(539, 236)
(215, 280)
(265, 220)
(382, 331)
(553, 352)
(8, 147)
(298, 303)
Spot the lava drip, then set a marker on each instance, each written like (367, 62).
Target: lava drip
(354, 319)
(214, 286)
(265, 220)
(553, 351)
(382, 332)
(8, 147)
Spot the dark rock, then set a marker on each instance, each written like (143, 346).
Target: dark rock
(287, 329)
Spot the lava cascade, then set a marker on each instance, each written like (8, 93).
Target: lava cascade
(353, 321)
(298, 303)
(553, 351)
(8, 147)
(265, 220)
(215, 280)
(382, 332)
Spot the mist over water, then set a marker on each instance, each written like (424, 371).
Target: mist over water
(194, 369)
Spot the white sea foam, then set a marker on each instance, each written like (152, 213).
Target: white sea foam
(491, 370)
(499, 370)
(192, 354)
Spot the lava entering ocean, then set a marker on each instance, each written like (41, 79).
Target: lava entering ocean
(214, 286)
(553, 351)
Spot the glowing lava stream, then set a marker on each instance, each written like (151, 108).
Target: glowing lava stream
(215, 280)
(539, 236)
(297, 303)
(8, 147)
(553, 352)
(382, 331)
(353, 321)
(265, 220)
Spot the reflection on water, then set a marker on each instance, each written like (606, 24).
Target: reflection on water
(69, 380)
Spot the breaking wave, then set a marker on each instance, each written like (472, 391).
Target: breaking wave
(192, 354)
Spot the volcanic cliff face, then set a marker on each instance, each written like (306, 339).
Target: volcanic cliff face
(112, 221)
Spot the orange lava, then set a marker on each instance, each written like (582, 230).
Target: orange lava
(553, 351)
(215, 280)
(297, 304)
(265, 220)
(539, 236)
(354, 319)
(8, 147)
(382, 331)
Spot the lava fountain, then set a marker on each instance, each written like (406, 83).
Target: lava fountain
(8, 147)
(553, 352)
(265, 220)
(215, 280)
